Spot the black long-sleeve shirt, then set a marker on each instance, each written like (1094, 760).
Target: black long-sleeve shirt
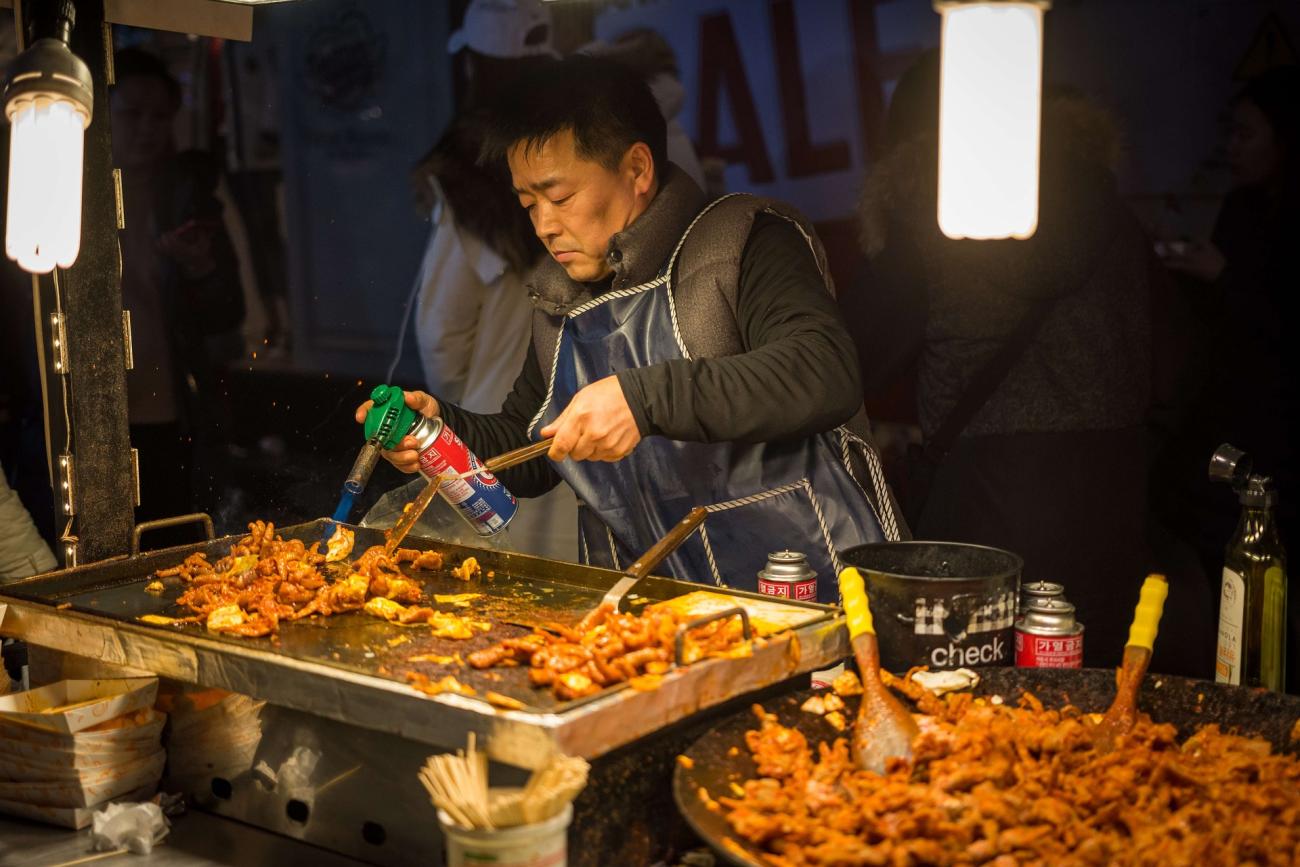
(797, 377)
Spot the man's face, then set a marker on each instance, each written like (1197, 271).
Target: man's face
(577, 204)
(1254, 156)
(142, 113)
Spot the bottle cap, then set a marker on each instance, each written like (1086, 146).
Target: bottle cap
(1259, 492)
(789, 566)
(1229, 464)
(390, 418)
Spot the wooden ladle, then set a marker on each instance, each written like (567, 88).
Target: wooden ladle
(1121, 716)
(884, 729)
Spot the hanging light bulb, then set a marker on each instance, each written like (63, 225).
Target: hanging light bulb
(48, 101)
(990, 106)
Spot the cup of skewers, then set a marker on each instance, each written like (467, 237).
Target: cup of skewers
(503, 826)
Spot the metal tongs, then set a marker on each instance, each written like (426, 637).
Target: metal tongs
(671, 541)
(1119, 720)
(411, 514)
(509, 459)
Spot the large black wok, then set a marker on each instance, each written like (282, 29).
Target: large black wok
(1186, 703)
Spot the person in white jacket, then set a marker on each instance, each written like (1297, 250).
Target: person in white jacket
(471, 309)
(23, 552)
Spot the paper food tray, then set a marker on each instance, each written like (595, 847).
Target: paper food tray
(136, 728)
(69, 767)
(70, 706)
(101, 786)
(57, 764)
(69, 817)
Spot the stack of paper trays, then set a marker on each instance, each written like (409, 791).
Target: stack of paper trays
(72, 746)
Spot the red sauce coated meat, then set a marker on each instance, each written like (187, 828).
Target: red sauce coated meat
(1003, 785)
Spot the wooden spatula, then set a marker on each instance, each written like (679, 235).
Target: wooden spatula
(1121, 716)
(884, 729)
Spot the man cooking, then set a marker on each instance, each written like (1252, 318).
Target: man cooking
(682, 354)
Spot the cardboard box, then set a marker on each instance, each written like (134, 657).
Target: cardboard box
(71, 706)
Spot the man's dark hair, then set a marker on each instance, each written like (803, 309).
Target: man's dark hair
(606, 106)
(129, 62)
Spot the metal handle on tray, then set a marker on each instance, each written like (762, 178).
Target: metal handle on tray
(174, 521)
(680, 644)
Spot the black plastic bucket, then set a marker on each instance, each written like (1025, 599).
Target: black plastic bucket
(941, 604)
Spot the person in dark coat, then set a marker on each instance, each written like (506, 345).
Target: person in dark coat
(1053, 464)
(1242, 284)
(179, 280)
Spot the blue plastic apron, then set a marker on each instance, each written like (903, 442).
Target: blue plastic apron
(761, 497)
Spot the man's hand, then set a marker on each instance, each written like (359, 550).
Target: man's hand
(405, 457)
(597, 425)
(1202, 261)
(190, 247)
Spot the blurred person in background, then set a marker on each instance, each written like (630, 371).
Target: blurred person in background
(179, 281)
(23, 552)
(1049, 458)
(471, 308)
(1242, 283)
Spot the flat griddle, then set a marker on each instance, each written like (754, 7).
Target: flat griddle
(353, 667)
(721, 758)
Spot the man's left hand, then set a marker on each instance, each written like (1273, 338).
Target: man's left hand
(597, 425)
(190, 247)
(1202, 261)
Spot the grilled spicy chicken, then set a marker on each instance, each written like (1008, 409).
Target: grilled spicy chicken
(606, 648)
(266, 579)
(1003, 785)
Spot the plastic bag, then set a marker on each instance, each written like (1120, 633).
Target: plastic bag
(294, 778)
(441, 520)
(135, 827)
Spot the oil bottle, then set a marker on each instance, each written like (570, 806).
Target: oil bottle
(1252, 613)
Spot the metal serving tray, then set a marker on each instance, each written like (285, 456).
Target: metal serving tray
(353, 667)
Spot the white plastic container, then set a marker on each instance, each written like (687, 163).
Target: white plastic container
(544, 844)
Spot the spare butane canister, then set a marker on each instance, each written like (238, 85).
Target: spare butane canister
(1048, 636)
(788, 575)
(1038, 590)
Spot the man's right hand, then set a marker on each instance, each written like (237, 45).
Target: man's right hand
(405, 457)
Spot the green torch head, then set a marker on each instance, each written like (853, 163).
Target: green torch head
(390, 418)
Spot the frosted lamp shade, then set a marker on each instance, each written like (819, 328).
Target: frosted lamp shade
(990, 106)
(46, 145)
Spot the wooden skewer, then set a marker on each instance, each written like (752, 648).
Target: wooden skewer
(98, 856)
(340, 778)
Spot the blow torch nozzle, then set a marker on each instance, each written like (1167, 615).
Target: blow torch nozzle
(362, 468)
